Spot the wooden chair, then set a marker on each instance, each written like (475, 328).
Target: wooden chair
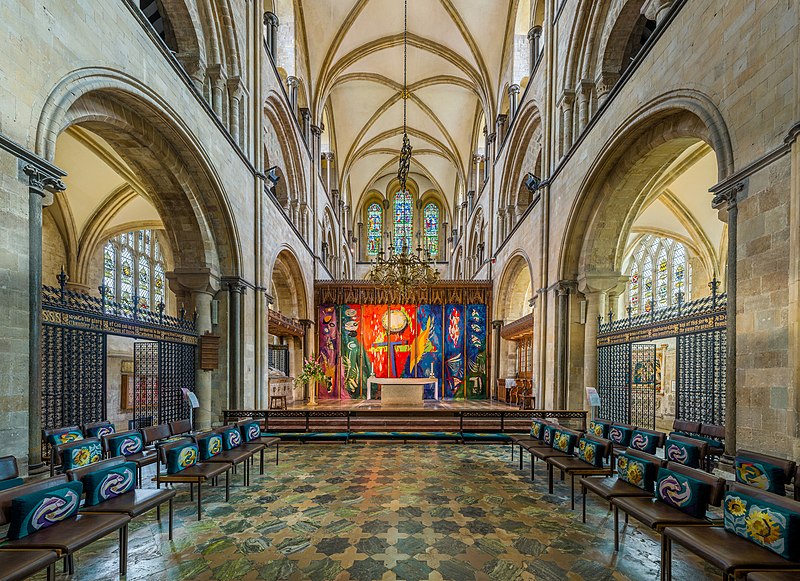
(265, 441)
(576, 467)
(180, 427)
(8, 468)
(788, 467)
(142, 458)
(21, 564)
(544, 453)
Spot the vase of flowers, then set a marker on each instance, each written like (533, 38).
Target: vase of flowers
(312, 374)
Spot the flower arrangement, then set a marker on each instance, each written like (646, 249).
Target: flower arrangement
(312, 372)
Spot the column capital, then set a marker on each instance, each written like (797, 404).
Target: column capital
(656, 9)
(534, 32)
(566, 99)
(328, 155)
(497, 324)
(727, 198)
(316, 130)
(42, 183)
(292, 81)
(514, 89)
(271, 19)
(235, 284)
(585, 87)
(195, 280)
(600, 282)
(491, 137)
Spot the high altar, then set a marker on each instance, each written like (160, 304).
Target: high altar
(376, 345)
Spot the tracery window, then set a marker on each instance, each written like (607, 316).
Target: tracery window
(402, 222)
(659, 273)
(431, 228)
(374, 229)
(133, 270)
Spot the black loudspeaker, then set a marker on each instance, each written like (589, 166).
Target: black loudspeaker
(532, 182)
(272, 175)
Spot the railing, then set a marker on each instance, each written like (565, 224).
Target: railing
(279, 323)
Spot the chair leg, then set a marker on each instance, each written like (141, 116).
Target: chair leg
(261, 471)
(626, 519)
(123, 550)
(550, 478)
(51, 572)
(158, 513)
(171, 518)
(227, 486)
(616, 528)
(533, 472)
(65, 562)
(520, 457)
(277, 449)
(583, 502)
(512, 451)
(199, 504)
(666, 558)
(572, 499)
(191, 491)
(71, 562)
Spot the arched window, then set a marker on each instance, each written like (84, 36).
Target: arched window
(660, 273)
(431, 228)
(133, 270)
(374, 229)
(402, 222)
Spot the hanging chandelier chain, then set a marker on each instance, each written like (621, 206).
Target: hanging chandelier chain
(405, 62)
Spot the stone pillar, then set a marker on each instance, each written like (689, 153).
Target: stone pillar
(726, 202)
(271, 34)
(235, 291)
(470, 205)
(305, 125)
(562, 355)
(500, 127)
(565, 103)
(604, 82)
(443, 253)
(308, 348)
(491, 152)
(511, 217)
(657, 9)
(501, 226)
(236, 93)
(496, 327)
(328, 157)
(584, 97)
(292, 84)
(535, 43)
(513, 97)
(217, 83)
(314, 146)
(41, 187)
(362, 250)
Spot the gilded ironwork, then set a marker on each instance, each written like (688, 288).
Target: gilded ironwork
(366, 293)
(405, 272)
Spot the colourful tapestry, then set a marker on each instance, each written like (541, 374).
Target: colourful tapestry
(409, 341)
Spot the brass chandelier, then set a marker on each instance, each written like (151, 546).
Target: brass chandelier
(404, 272)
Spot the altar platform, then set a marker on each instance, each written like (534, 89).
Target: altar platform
(369, 419)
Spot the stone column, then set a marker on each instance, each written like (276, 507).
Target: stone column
(497, 325)
(565, 103)
(604, 82)
(726, 202)
(292, 84)
(328, 157)
(584, 97)
(271, 34)
(236, 93)
(443, 253)
(501, 226)
(314, 146)
(511, 217)
(513, 97)
(362, 250)
(235, 291)
(657, 9)
(535, 43)
(41, 187)
(500, 127)
(562, 356)
(308, 348)
(217, 83)
(470, 205)
(305, 125)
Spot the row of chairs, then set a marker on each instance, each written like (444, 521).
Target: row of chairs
(673, 499)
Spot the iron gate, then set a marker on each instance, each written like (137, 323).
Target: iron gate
(75, 329)
(627, 372)
(279, 358)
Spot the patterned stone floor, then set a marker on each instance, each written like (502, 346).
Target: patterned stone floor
(387, 511)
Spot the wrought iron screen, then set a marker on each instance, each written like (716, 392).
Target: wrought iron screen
(176, 369)
(613, 382)
(279, 358)
(700, 382)
(146, 394)
(643, 386)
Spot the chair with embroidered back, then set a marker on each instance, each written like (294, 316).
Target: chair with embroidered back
(110, 488)
(797, 483)
(760, 532)
(251, 436)
(130, 445)
(685, 450)
(44, 515)
(562, 442)
(647, 441)
(591, 454)
(635, 477)
(233, 451)
(599, 427)
(98, 429)
(9, 473)
(79, 453)
(180, 427)
(686, 428)
(538, 437)
(620, 436)
(682, 497)
(715, 436)
(57, 436)
(770, 473)
(154, 435)
(181, 459)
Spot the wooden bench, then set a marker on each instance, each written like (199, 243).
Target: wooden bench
(16, 565)
(258, 442)
(130, 445)
(574, 466)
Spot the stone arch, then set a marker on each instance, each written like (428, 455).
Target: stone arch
(282, 123)
(161, 150)
(515, 288)
(612, 190)
(289, 284)
(183, 24)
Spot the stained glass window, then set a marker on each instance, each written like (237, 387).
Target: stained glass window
(431, 228)
(133, 271)
(402, 222)
(374, 229)
(659, 271)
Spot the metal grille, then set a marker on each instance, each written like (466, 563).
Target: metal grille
(176, 372)
(613, 382)
(279, 358)
(700, 382)
(73, 376)
(643, 386)
(145, 383)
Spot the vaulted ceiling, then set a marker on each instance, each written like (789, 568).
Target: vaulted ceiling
(354, 54)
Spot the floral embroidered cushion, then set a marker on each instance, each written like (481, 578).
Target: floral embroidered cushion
(590, 452)
(761, 475)
(633, 470)
(80, 456)
(564, 441)
(766, 524)
(599, 429)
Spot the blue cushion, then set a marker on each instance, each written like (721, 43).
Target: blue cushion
(231, 438)
(126, 445)
(590, 452)
(633, 470)
(536, 429)
(11, 483)
(620, 435)
(599, 429)
(251, 431)
(547, 435)
(33, 512)
(83, 455)
(66, 437)
(105, 484)
(683, 492)
(769, 525)
(100, 431)
(644, 442)
(682, 453)
(209, 446)
(564, 441)
(761, 475)
(181, 457)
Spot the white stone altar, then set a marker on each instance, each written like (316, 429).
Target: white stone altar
(402, 390)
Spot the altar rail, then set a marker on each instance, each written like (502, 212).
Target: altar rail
(490, 421)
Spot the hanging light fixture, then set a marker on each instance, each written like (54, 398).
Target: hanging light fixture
(404, 272)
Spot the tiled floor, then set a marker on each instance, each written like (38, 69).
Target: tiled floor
(387, 511)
